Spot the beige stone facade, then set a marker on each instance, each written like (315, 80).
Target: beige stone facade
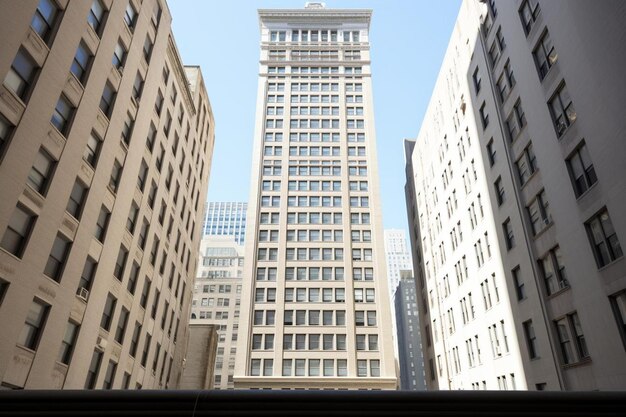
(105, 155)
(315, 311)
(515, 192)
(199, 364)
(216, 301)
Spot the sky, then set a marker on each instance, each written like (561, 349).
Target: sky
(408, 41)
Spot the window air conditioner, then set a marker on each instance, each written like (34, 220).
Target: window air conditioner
(83, 293)
(101, 343)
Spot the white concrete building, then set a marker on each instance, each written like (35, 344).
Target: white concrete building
(315, 309)
(398, 255)
(515, 192)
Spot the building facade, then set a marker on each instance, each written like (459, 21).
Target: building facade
(226, 219)
(315, 309)
(217, 299)
(515, 195)
(410, 358)
(398, 255)
(105, 156)
(199, 363)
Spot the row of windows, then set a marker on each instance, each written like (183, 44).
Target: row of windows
(307, 35)
(316, 254)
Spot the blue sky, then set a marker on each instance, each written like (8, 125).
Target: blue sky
(408, 41)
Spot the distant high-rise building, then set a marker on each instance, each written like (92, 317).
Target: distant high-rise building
(226, 219)
(398, 255)
(105, 147)
(217, 298)
(315, 309)
(410, 357)
(515, 192)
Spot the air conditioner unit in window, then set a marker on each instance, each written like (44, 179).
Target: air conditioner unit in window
(83, 293)
(101, 343)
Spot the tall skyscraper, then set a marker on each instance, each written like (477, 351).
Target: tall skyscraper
(315, 309)
(216, 300)
(515, 198)
(398, 256)
(226, 219)
(410, 358)
(106, 143)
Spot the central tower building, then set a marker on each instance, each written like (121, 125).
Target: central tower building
(315, 310)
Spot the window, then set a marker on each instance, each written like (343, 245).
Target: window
(477, 80)
(119, 55)
(516, 121)
(255, 367)
(484, 117)
(68, 342)
(148, 44)
(6, 128)
(618, 302)
(499, 191)
(21, 75)
(87, 276)
(491, 152)
(41, 173)
(528, 13)
(531, 339)
(130, 16)
(137, 86)
(34, 324)
(554, 271)
(122, 321)
(116, 175)
(80, 65)
(361, 367)
(539, 212)
(77, 198)
(581, 170)
(18, 231)
(44, 19)
(92, 150)
(102, 223)
(63, 112)
(120, 263)
(143, 175)
(568, 329)
(96, 16)
(519, 283)
(109, 376)
(57, 257)
(107, 100)
(526, 164)
(603, 238)
(107, 313)
(94, 368)
(545, 55)
(131, 220)
(562, 110)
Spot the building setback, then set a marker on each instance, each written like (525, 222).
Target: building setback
(216, 301)
(315, 310)
(105, 147)
(515, 193)
(410, 358)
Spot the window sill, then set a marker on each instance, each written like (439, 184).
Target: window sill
(542, 231)
(558, 292)
(564, 132)
(610, 264)
(587, 191)
(581, 362)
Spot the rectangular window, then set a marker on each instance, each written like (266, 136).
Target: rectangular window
(92, 150)
(94, 368)
(119, 56)
(499, 188)
(62, 116)
(562, 110)
(34, 325)
(581, 170)
(41, 172)
(102, 224)
(122, 321)
(618, 303)
(130, 16)
(526, 165)
(531, 339)
(545, 55)
(87, 276)
(484, 116)
(18, 231)
(22, 74)
(603, 238)
(58, 256)
(44, 20)
(96, 16)
(554, 271)
(109, 376)
(80, 65)
(116, 175)
(108, 99)
(107, 313)
(528, 14)
(77, 199)
(68, 343)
